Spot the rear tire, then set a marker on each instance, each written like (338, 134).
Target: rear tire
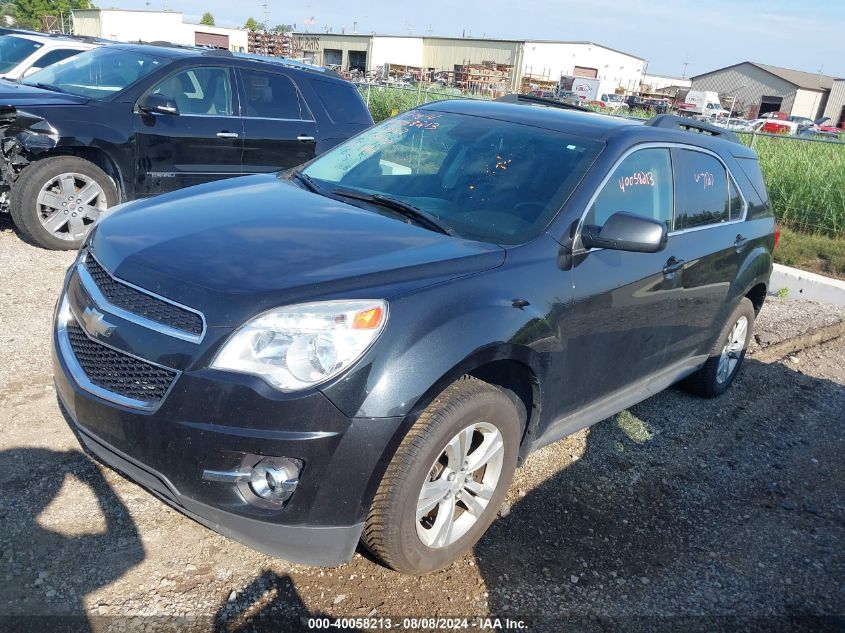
(436, 500)
(55, 201)
(726, 357)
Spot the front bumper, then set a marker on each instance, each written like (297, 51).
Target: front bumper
(210, 420)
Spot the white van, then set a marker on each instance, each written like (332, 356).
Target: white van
(703, 102)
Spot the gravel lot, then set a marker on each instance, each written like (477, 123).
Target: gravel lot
(680, 513)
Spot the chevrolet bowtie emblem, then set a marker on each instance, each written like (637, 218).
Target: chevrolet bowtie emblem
(95, 323)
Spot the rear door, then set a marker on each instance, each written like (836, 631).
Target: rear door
(200, 143)
(709, 234)
(279, 130)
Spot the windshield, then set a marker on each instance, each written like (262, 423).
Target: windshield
(98, 73)
(614, 97)
(484, 179)
(13, 50)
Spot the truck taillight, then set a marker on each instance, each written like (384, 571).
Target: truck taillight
(777, 237)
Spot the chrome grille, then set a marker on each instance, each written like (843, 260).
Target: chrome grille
(117, 372)
(142, 304)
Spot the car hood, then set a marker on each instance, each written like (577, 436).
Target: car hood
(21, 95)
(235, 248)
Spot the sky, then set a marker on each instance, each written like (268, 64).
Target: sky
(804, 35)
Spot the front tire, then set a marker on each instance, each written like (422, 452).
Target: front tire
(726, 357)
(447, 480)
(55, 201)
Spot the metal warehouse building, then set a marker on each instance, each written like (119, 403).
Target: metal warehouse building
(760, 88)
(536, 62)
(128, 25)
(835, 109)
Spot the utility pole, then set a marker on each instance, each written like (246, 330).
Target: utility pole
(686, 63)
(266, 27)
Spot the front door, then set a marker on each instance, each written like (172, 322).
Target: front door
(623, 313)
(279, 131)
(201, 142)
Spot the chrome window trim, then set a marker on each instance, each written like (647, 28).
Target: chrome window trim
(101, 300)
(81, 378)
(269, 118)
(668, 146)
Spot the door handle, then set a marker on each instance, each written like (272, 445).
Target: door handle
(227, 135)
(740, 243)
(303, 137)
(673, 265)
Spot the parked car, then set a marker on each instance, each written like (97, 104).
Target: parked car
(610, 101)
(569, 97)
(702, 102)
(124, 121)
(23, 52)
(365, 349)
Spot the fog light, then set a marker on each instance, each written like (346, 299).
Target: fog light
(274, 479)
(266, 482)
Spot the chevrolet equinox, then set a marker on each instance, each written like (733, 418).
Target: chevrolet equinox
(364, 350)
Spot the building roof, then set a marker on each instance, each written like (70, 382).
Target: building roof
(798, 78)
(468, 39)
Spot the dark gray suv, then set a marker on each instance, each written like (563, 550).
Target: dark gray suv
(364, 350)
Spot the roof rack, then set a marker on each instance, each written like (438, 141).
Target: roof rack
(531, 99)
(686, 123)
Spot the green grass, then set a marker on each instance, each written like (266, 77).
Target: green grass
(385, 102)
(816, 253)
(806, 183)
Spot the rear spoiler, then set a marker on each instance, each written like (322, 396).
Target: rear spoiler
(531, 99)
(687, 124)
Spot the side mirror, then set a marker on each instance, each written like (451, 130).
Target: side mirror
(627, 232)
(158, 104)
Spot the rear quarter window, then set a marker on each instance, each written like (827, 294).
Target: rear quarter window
(342, 102)
(758, 196)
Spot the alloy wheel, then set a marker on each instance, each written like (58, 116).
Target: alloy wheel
(459, 485)
(732, 351)
(69, 204)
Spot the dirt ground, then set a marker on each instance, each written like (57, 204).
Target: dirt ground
(680, 513)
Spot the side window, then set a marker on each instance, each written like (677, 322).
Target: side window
(641, 184)
(271, 96)
(702, 185)
(736, 201)
(203, 90)
(56, 55)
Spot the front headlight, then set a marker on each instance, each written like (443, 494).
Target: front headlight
(302, 345)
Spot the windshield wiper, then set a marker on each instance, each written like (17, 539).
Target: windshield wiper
(406, 209)
(308, 181)
(50, 87)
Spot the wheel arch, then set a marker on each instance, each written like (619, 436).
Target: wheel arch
(98, 157)
(512, 368)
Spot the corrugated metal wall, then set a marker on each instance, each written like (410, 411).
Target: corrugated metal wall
(748, 83)
(835, 109)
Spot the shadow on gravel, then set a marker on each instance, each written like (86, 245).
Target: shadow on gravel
(48, 572)
(701, 508)
(269, 603)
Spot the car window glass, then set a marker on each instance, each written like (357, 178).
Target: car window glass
(702, 185)
(13, 50)
(736, 201)
(56, 55)
(641, 184)
(493, 181)
(342, 102)
(97, 73)
(271, 96)
(199, 91)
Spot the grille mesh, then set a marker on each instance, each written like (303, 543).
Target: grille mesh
(118, 372)
(142, 304)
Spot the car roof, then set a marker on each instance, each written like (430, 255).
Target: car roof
(48, 38)
(592, 125)
(173, 51)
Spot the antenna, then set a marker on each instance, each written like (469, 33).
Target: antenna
(686, 63)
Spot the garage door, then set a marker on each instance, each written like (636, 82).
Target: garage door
(212, 40)
(583, 71)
